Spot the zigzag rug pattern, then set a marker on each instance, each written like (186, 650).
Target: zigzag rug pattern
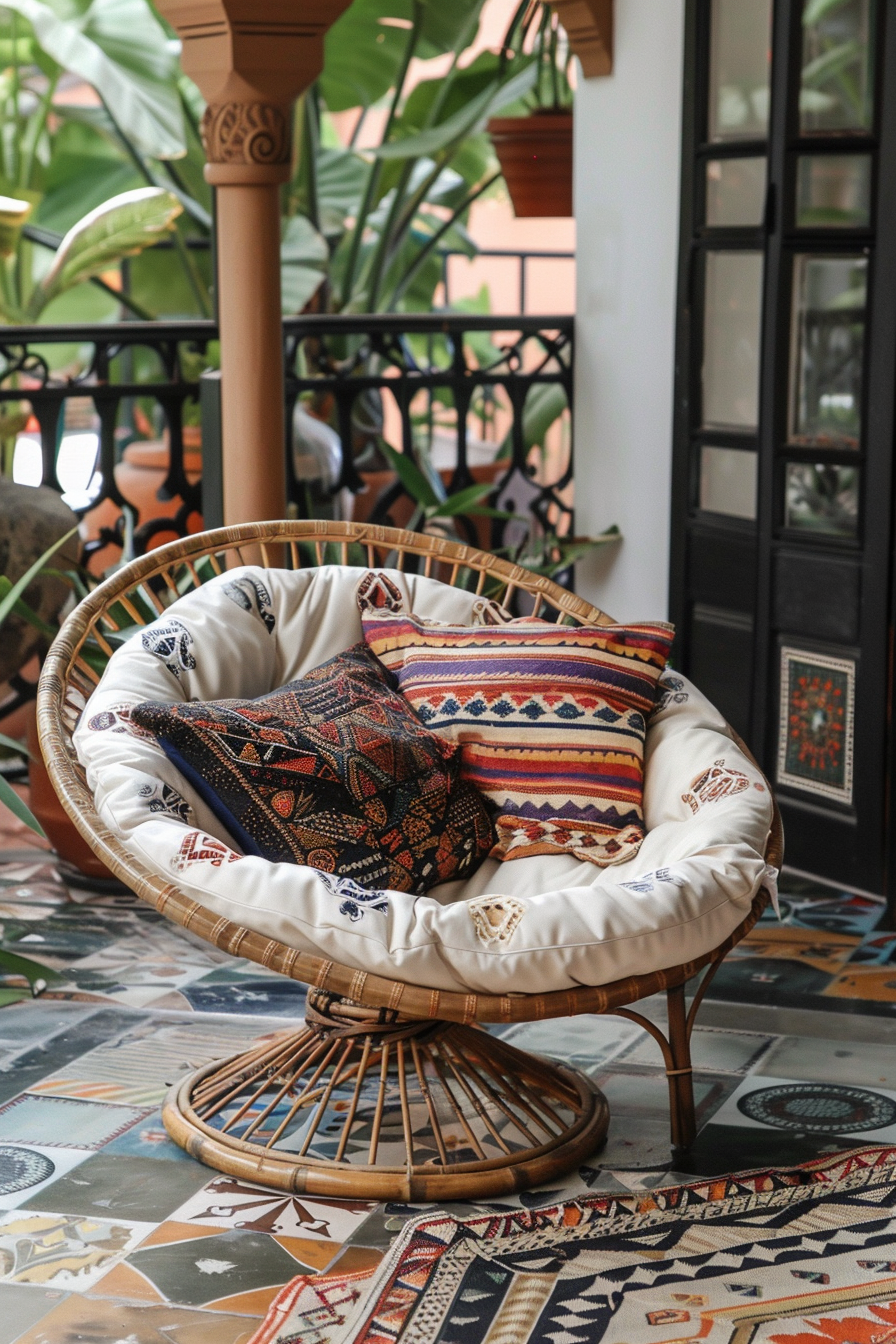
(803, 1255)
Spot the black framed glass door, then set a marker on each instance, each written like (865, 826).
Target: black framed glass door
(782, 519)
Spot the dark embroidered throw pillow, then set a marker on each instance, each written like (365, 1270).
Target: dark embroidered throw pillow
(334, 771)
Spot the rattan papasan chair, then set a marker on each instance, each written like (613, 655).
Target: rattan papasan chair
(392, 1089)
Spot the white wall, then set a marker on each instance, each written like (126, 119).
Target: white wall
(627, 158)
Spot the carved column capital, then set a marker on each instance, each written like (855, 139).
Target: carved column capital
(589, 27)
(246, 142)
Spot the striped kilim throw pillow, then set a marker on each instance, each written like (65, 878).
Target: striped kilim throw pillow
(551, 719)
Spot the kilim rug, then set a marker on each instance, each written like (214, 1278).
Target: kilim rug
(802, 1255)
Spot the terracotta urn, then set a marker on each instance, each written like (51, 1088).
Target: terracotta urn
(58, 825)
(535, 154)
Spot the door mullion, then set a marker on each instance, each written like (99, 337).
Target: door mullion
(786, 55)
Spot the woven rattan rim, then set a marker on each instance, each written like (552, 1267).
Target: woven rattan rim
(69, 779)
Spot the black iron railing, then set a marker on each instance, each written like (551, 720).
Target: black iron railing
(469, 398)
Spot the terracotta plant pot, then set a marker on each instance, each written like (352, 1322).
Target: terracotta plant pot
(58, 825)
(535, 154)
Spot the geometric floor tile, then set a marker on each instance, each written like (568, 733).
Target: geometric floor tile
(206, 1269)
(113, 1233)
(63, 1250)
(228, 1202)
(58, 1121)
(711, 1051)
(794, 1106)
(122, 1187)
(27, 1170)
(585, 1042)
(91, 1320)
(148, 1138)
(861, 1063)
(22, 1307)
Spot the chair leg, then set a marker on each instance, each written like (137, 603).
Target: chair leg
(680, 1073)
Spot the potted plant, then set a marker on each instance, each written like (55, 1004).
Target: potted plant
(534, 146)
(46, 816)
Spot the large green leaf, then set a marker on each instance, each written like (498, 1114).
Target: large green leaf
(15, 592)
(465, 121)
(22, 609)
(85, 170)
(480, 74)
(13, 216)
(818, 9)
(341, 178)
(362, 54)
(120, 48)
(301, 244)
(11, 799)
(13, 744)
(11, 963)
(446, 23)
(421, 489)
(303, 258)
(118, 228)
(365, 46)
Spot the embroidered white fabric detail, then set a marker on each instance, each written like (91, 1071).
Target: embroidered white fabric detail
(495, 917)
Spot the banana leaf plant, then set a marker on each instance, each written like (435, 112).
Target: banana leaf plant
(66, 159)
(386, 211)
(536, 29)
(120, 227)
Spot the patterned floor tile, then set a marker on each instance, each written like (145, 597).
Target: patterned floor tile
(856, 1062)
(63, 1250)
(64, 1122)
(711, 1050)
(133, 1240)
(129, 1187)
(21, 1308)
(839, 912)
(586, 1042)
(228, 1202)
(261, 996)
(139, 1066)
(203, 1270)
(92, 1319)
(148, 1138)
(28, 1169)
(824, 1108)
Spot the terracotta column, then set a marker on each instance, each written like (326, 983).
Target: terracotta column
(250, 59)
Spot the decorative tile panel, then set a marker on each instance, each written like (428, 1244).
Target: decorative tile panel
(815, 734)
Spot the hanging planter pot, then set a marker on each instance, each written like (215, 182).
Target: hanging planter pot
(535, 154)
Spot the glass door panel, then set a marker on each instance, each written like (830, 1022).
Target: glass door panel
(822, 499)
(828, 339)
(728, 482)
(739, 67)
(733, 307)
(735, 192)
(833, 191)
(836, 82)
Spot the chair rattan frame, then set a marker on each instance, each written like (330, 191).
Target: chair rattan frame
(68, 679)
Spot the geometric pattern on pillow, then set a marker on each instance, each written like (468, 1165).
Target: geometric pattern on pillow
(550, 719)
(334, 771)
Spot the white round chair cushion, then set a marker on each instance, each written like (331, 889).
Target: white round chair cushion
(531, 925)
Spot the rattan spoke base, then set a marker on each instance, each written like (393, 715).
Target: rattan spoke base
(364, 1104)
